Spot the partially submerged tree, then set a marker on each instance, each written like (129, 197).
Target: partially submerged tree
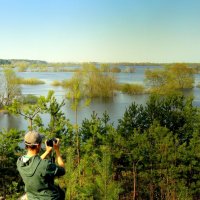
(183, 76)
(93, 82)
(98, 83)
(9, 89)
(77, 101)
(171, 79)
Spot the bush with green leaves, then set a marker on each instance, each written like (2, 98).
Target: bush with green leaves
(10, 181)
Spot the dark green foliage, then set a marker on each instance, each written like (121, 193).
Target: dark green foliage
(161, 144)
(189, 164)
(9, 151)
(95, 132)
(29, 99)
(135, 117)
(174, 112)
(5, 62)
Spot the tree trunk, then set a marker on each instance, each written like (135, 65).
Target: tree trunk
(77, 139)
(134, 181)
(151, 185)
(31, 124)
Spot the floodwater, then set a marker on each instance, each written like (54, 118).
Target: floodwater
(115, 106)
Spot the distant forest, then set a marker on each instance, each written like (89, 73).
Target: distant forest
(12, 61)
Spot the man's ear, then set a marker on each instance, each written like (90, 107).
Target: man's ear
(38, 146)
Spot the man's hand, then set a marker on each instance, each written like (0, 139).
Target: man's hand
(56, 144)
(47, 151)
(48, 148)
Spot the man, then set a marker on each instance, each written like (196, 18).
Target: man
(37, 172)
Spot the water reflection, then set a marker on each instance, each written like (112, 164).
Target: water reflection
(8, 121)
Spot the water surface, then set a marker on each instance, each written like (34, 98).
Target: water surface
(115, 106)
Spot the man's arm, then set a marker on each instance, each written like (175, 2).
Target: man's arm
(47, 152)
(58, 155)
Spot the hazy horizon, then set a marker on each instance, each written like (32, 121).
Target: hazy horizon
(79, 62)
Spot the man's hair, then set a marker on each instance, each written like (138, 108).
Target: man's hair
(31, 146)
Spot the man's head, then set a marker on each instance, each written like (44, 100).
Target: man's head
(33, 140)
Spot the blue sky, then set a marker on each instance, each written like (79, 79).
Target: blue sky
(100, 30)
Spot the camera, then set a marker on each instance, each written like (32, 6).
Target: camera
(50, 142)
